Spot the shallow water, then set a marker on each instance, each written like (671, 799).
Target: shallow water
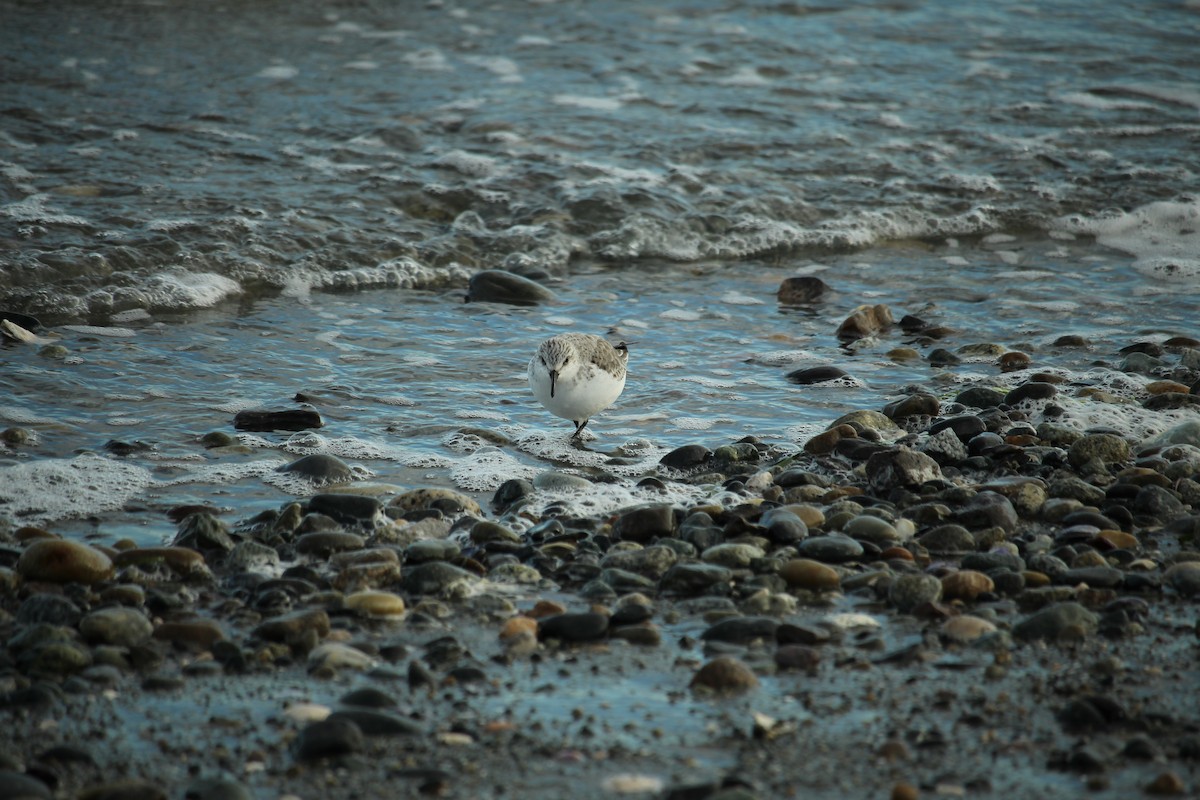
(419, 388)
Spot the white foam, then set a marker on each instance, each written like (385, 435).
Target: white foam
(692, 423)
(33, 209)
(96, 330)
(43, 491)
(471, 164)
(279, 72)
(1164, 237)
(736, 298)
(486, 468)
(588, 102)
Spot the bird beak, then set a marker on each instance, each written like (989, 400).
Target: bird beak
(553, 380)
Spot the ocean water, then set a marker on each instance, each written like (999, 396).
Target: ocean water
(220, 209)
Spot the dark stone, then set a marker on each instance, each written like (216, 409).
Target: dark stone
(373, 722)
(795, 633)
(499, 286)
(645, 523)
(988, 510)
(1158, 502)
(801, 290)
(694, 578)
(812, 375)
(831, 549)
(1053, 622)
(920, 405)
(948, 538)
(1095, 577)
(900, 468)
(686, 457)
(511, 493)
(986, 562)
(741, 630)
(368, 697)
(965, 427)
(203, 532)
(585, 626)
(346, 508)
(434, 577)
(1033, 390)
(798, 657)
(326, 543)
(19, 785)
(980, 397)
(289, 419)
(329, 738)
(320, 468)
(53, 609)
(216, 788)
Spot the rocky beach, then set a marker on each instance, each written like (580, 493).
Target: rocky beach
(944, 595)
(900, 500)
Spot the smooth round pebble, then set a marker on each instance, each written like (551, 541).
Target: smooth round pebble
(804, 573)
(725, 675)
(63, 561)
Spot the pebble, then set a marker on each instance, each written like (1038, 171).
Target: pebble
(294, 627)
(864, 321)
(966, 628)
(734, 555)
(374, 603)
(694, 578)
(327, 739)
(1105, 448)
(1061, 621)
(376, 722)
(643, 523)
(804, 573)
(63, 561)
(19, 785)
(873, 529)
(199, 634)
(348, 509)
(288, 419)
(798, 657)
(725, 675)
(1167, 784)
(334, 656)
(688, 456)
(912, 590)
(832, 549)
(435, 577)
(54, 609)
(966, 585)
(801, 290)
(741, 630)
(584, 626)
(501, 286)
(949, 539)
(1184, 578)
(215, 788)
(326, 543)
(320, 468)
(810, 376)
(900, 468)
(124, 627)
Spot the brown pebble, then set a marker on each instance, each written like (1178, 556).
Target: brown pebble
(63, 561)
(199, 633)
(1167, 783)
(182, 560)
(865, 321)
(546, 608)
(1033, 579)
(1013, 361)
(725, 675)
(824, 442)
(1120, 540)
(808, 574)
(966, 584)
(897, 553)
(518, 626)
(905, 791)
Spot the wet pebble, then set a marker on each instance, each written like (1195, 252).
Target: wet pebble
(864, 321)
(217, 788)
(287, 419)
(724, 675)
(687, 457)
(1061, 621)
(325, 543)
(832, 549)
(54, 609)
(801, 290)
(19, 785)
(584, 626)
(734, 555)
(966, 628)
(199, 634)
(966, 585)
(810, 376)
(376, 722)
(435, 577)
(295, 627)
(63, 561)
(320, 468)
(501, 286)
(804, 573)
(741, 630)
(1105, 448)
(949, 538)
(694, 578)
(644, 523)
(374, 603)
(900, 467)
(798, 657)
(124, 627)
(1184, 578)
(328, 739)
(346, 508)
(912, 590)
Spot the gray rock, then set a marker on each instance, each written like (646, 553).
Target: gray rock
(1075, 488)
(327, 739)
(694, 578)
(424, 550)
(346, 508)
(1095, 577)
(19, 786)
(652, 561)
(123, 627)
(500, 286)
(911, 590)
(900, 468)
(944, 447)
(1107, 448)
(586, 626)
(53, 609)
(320, 468)
(1158, 502)
(741, 630)
(948, 538)
(374, 722)
(287, 419)
(687, 457)
(831, 549)
(644, 523)
(1061, 620)
(435, 577)
(555, 481)
(986, 562)
(988, 510)
(204, 532)
(1184, 578)
(870, 528)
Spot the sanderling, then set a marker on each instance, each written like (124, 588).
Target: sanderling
(576, 375)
